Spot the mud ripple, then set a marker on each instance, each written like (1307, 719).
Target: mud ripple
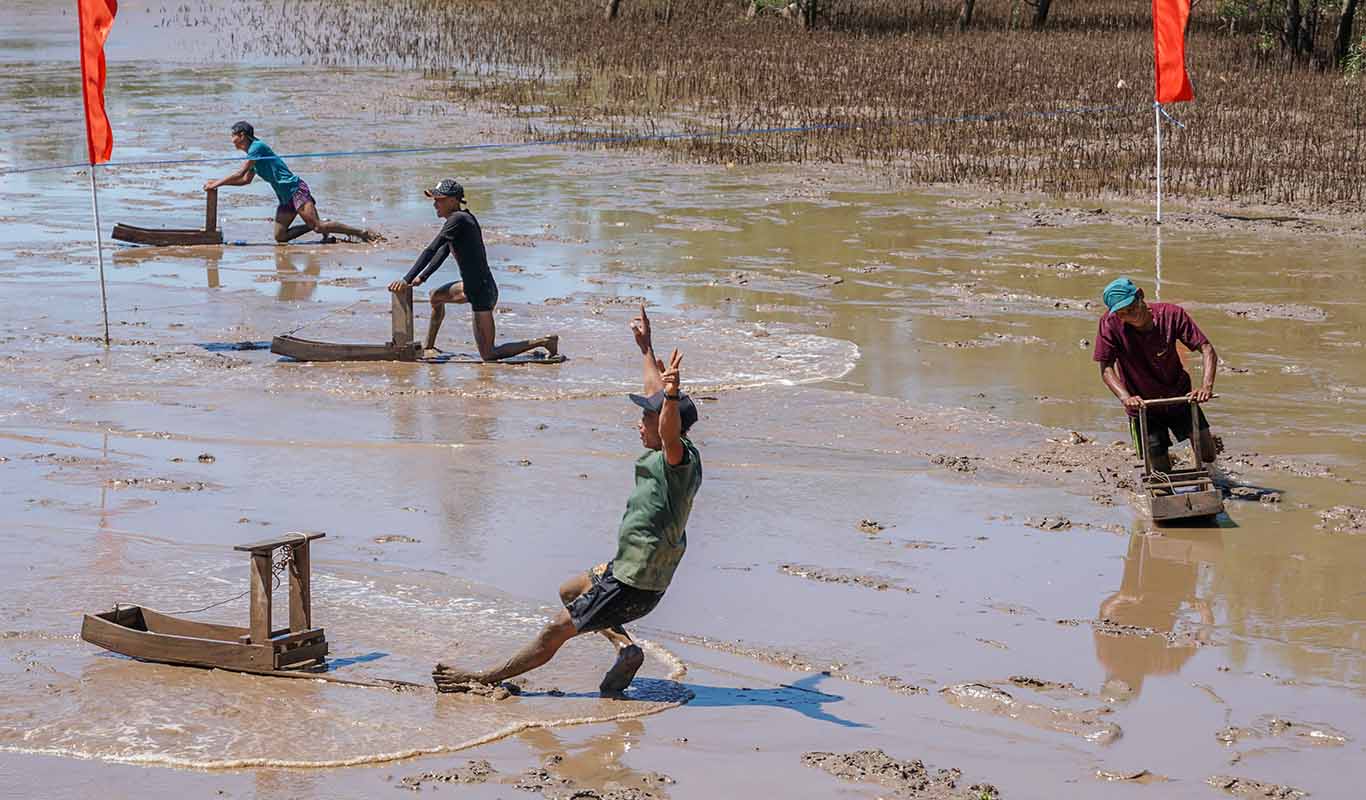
(905, 778)
(845, 578)
(1246, 787)
(989, 699)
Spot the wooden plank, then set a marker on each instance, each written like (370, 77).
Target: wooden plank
(260, 597)
(171, 649)
(310, 652)
(293, 537)
(163, 623)
(211, 211)
(309, 350)
(165, 236)
(300, 597)
(1186, 505)
(401, 318)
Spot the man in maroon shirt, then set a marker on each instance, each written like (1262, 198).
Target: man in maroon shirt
(1136, 350)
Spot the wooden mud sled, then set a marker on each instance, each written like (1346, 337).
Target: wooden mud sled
(1181, 493)
(400, 346)
(169, 236)
(148, 635)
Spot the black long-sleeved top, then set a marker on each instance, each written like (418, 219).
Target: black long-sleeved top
(462, 235)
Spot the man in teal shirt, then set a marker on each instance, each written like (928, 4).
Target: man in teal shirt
(293, 194)
(650, 542)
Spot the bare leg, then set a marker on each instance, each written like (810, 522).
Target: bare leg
(434, 324)
(484, 337)
(539, 651)
(309, 214)
(284, 232)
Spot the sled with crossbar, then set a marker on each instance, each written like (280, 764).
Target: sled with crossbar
(400, 346)
(149, 635)
(173, 236)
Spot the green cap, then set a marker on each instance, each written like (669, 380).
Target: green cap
(1119, 293)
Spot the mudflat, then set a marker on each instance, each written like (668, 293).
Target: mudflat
(917, 566)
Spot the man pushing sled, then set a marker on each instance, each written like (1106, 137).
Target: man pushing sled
(650, 542)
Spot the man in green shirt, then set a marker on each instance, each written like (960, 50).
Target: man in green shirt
(650, 542)
(295, 198)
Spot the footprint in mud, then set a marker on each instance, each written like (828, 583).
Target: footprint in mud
(989, 699)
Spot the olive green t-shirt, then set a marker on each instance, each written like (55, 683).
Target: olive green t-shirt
(653, 535)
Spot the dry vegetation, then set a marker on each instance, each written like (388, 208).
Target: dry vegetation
(886, 75)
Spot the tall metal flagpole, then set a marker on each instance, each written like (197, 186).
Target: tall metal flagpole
(1157, 288)
(1157, 132)
(99, 248)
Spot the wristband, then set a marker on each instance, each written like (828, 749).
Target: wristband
(673, 397)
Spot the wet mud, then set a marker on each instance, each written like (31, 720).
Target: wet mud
(1086, 724)
(904, 778)
(823, 575)
(1246, 787)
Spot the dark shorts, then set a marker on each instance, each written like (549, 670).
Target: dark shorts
(301, 197)
(1163, 428)
(609, 603)
(481, 299)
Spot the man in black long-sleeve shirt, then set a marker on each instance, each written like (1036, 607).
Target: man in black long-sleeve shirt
(461, 235)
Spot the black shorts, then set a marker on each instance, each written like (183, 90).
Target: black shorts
(1177, 423)
(482, 298)
(609, 603)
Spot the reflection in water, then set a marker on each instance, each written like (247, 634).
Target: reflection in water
(1161, 582)
(297, 271)
(595, 762)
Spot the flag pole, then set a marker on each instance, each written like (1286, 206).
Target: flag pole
(1157, 133)
(1157, 288)
(99, 248)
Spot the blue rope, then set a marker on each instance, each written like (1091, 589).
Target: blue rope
(595, 140)
(1169, 117)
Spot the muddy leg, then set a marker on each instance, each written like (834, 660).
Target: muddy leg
(539, 651)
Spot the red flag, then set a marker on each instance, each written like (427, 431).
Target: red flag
(1169, 50)
(97, 17)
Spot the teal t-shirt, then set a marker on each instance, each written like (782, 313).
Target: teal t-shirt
(271, 169)
(653, 530)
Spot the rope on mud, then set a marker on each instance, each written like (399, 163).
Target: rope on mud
(994, 116)
(277, 571)
(325, 316)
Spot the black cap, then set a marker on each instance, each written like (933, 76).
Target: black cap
(448, 187)
(687, 410)
(244, 127)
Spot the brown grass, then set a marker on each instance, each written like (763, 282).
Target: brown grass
(1260, 130)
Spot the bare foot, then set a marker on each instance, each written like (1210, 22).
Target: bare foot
(551, 345)
(629, 660)
(371, 236)
(432, 352)
(328, 239)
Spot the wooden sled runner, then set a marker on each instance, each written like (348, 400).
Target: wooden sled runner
(148, 635)
(400, 346)
(1182, 493)
(169, 236)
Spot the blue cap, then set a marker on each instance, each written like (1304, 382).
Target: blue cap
(687, 410)
(1119, 293)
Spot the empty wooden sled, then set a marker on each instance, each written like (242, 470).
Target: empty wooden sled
(400, 346)
(171, 236)
(149, 635)
(1179, 494)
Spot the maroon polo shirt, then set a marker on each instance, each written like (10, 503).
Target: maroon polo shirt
(1148, 361)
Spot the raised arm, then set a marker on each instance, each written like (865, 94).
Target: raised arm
(241, 177)
(653, 367)
(670, 420)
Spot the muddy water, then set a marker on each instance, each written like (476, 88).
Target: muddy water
(888, 380)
